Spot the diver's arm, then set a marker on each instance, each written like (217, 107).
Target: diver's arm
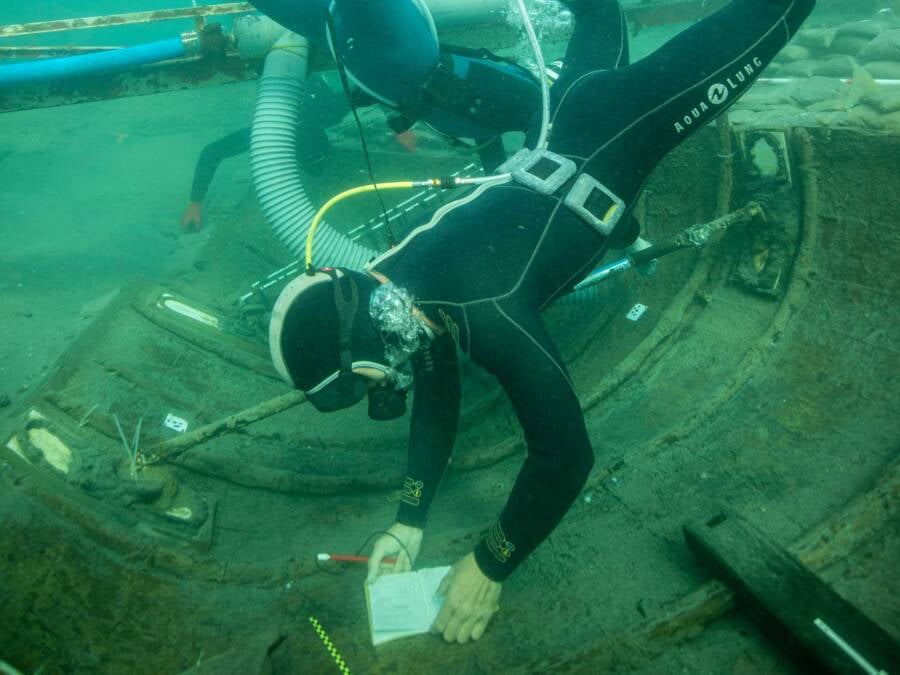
(212, 155)
(432, 430)
(559, 456)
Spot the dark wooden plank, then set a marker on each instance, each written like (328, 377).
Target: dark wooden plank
(638, 645)
(791, 601)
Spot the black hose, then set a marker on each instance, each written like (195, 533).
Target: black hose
(659, 249)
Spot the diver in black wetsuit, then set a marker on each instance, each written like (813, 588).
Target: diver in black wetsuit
(460, 93)
(479, 273)
(321, 108)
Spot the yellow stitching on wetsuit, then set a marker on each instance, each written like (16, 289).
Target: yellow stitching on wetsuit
(499, 546)
(412, 491)
(329, 646)
(451, 326)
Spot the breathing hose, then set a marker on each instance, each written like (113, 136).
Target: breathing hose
(273, 158)
(447, 182)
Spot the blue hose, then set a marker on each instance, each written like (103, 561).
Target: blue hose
(65, 67)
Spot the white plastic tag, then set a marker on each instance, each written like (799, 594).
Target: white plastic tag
(636, 312)
(175, 423)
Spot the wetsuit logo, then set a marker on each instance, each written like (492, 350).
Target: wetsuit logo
(412, 491)
(450, 325)
(497, 543)
(717, 94)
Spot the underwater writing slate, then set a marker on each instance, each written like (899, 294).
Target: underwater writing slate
(404, 604)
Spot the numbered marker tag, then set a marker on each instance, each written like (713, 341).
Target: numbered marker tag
(175, 423)
(636, 312)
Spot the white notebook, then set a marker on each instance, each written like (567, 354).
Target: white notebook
(404, 604)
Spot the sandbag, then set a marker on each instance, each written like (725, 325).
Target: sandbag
(815, 89)
(834, 105)
(884, 70)
(794, 53)
(830, 119)
(835, 66)
(816, 39)
(863, 115)
(868, 29)
(850, 45)
(803, 68)
(885, 47)
(891, 120)
(884, 100)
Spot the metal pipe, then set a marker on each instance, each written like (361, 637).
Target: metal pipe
(446, 13)
(44, 52)
(65, 67)
(694, 236)
(13, 30)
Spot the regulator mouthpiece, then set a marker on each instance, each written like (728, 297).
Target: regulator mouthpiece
(391, 309)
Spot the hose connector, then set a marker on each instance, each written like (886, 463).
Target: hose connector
(191, 43)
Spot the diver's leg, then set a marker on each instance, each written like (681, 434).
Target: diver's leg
(663, 98)
(600, 38)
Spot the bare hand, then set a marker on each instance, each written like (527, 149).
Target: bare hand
(471, 599)
(192, 218)
(408, 140)
(385, 546)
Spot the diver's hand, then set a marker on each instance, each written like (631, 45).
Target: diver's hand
(471, 599)
(648, 269)
(407, 139)
(386, 546)
(192, 218)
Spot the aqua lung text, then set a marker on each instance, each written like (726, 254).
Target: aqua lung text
(718, 93)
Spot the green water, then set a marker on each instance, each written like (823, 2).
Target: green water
(90, 200)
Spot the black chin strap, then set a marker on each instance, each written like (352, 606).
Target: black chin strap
(346, 300)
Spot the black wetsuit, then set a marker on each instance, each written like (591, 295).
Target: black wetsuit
(322, 108)
(486, 265)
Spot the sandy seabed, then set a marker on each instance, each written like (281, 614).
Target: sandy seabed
(90, 197)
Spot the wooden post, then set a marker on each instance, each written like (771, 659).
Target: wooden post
(172, 449)
(813, 622)
(131, 18)
(639, 644)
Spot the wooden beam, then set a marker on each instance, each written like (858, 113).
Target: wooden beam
(177, 446)
(39, 27)
(43, 52)
(640, 644)
(796, 607)
(680, 11)
(193, 72)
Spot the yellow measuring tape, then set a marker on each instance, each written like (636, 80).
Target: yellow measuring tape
(329, 645)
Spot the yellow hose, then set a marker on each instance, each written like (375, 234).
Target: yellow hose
(371, 187)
